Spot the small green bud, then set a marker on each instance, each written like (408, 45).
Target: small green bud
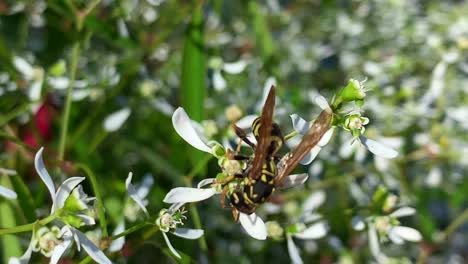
(379, 197)
(354, 91)
(355, 124)
(72, 220)
(218, 151)
(58, 69)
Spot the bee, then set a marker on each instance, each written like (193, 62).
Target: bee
(265, 170)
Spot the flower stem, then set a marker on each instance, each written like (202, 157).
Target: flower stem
(130, 230)
(27, 227)
(66, 115)
(455, 224)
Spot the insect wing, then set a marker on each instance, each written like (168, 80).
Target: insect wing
(289, 162)
(264, 135)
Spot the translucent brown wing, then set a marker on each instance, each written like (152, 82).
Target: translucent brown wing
(264, 137)
(289, 162)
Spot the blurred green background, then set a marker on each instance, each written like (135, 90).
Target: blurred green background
(151, 56)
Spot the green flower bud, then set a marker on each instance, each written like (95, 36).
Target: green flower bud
(354, 91)
(58, 69)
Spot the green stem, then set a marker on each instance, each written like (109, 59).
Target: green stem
(27, 227)
(130, 230)
(456, 223)
(97, 193)
(66, 115)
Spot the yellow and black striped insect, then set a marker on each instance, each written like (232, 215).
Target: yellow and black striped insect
(265, 170)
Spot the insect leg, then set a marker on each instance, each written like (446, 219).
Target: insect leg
(242, 135)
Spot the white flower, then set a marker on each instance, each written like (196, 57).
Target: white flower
(169, 220)
(70, 198)
(218, 65)
(387, 227)
(252, 224)
(138, 194)
(305, 231)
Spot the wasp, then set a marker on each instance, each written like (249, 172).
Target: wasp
(266, 170)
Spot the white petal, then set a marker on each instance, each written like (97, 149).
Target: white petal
(64, 191)
(188, 233)
(309, 217)
(4, 171)
(117, 245)
(311, 155)
(42, 171)
(114, 121)
(325, 138)
(183, 126)
(145, 185)
(168, 243)
(322, 103)
(218, 81)
(403, 211)
(378, 149)
(23, 67)
(93, 251)
(7, 193)
(235, 67)
(293, 252)
(246, 121)
(188, 195)
(133, 194)
(86, 219)
(314, 201)
(358, 223)
(395, 238)
(24, 259)
(60, 249)
(299, 124)
(373, 241)
(294, 180)
(315, 231)
(253, 225)
(59, 83)
(205, 182)
(407, 233)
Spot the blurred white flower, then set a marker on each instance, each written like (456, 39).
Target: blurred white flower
(218, 66)
(169, 220)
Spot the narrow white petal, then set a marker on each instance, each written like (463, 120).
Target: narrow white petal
(114, 121)
(183, 126)
(7, 171)
(145, 185)
(407, 233)
(315, 200)
(309, 217)
(315, 231)
(358, 223)
(373, 241)
(188, 195)
(378, 149)
(403, 211)
(42, 171)
(23, 67)
(235, 67)
(7, 193)
(294, 180)
(65, 190)
(253, 225)
(24, 259)
(294, 252)
(188, 233)
(299, 124)
(311, 155)
(60, 249)
(117, 245)
(169, 245)
(93, 251)
(132, 192)
(205, 182)
(86, 219)
(246, 121)
(395, 238)
(325, 138)
(322, 103)
(174, 207)
(218, 81)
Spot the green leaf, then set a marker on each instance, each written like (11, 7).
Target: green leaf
(264, 41)
(9, 244)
